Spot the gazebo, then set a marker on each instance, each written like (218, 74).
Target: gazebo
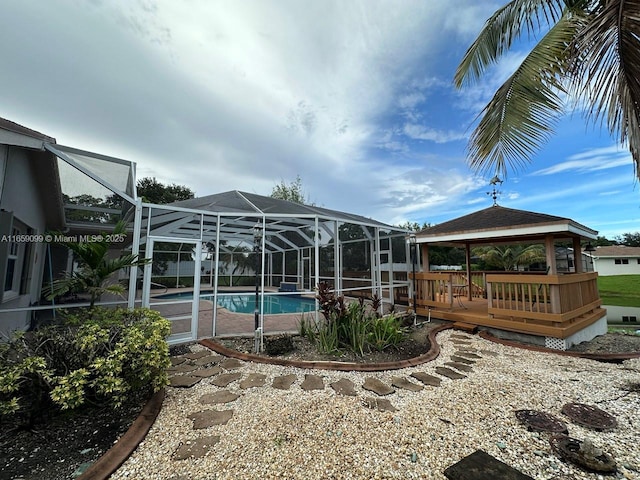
(552, 308)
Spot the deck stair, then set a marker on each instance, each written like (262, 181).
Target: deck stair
(467, 327)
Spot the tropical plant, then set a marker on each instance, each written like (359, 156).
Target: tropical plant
(96, 268)
(589, 53)
(510, 257)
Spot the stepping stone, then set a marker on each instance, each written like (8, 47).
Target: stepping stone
(344, 387)
(480, 466)
(182, 368)
(460, 342)
(427, 379)
(469, 350)
(224, 379)
(231, 364)
(209, 418)
(223, 396)
(253, 380)
(459, 359)
(447, 372)
(312, 382)
(184, 381)
(461, 337)
(207, 372)
(377, 386)
(196, 355)
(283, 382)
(469, 355)
(405, 384)
(208, 359)
(380, 404)
(177, 360)
(463, 367)
(491, 353)
(197, 448)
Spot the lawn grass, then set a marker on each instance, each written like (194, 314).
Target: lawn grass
(620, 290)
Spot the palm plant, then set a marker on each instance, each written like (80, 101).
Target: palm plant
(510, 257)
(96, 268)
(590, 53)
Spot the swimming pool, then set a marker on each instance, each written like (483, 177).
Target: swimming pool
(244, 302)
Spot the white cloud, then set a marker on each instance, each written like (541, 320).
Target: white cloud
(590, 161)
(421, 132)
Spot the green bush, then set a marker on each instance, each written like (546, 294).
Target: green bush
(98, 357)
(352, 326)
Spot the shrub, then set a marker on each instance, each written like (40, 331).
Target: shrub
(353, 326)
(98, 357)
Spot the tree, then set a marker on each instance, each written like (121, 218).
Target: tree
(629, 239)
(588, 52)
(96, 268)
(292, 192)
(152, 191)
(510, 257)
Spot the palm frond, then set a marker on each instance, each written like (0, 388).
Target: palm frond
(606, 73)
(522, 114)
(500, 31)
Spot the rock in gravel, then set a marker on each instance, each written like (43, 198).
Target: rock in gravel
(377, 386)
(232, 364)
(457, 358)
(463, 367)
(208, 360)
(381, 404)
(312, 382)
(207, 372)
(222, 396)
(184, 381)
(182, 368)
(447, 372)
(197, 448)
(209, 418)
(224, 379)
(253, 380)
(283, 382)
(405, 384)
(427, 379)
(344, 387)
(469, 355)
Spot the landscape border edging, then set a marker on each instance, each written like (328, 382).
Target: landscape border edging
(113, 458)
(434, 351)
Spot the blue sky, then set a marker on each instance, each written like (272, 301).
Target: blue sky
(354, 97)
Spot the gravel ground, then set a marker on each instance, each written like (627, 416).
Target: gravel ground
(296, 434)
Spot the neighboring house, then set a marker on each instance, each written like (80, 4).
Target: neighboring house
(614, 260)
(30, 205)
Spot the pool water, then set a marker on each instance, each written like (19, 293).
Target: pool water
(243, 302)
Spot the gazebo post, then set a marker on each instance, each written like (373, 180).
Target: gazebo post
(554, 290)
(467, 254)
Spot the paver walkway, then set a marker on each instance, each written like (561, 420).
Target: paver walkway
(188, 370)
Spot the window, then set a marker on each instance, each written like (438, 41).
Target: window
(622, 261)
(629, 319)
(15, 262)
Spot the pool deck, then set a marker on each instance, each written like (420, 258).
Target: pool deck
(227, 323)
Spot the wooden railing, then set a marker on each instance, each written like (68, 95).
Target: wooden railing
(540, 304)
(547, 304)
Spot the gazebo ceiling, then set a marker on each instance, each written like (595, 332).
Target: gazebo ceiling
(498, 224)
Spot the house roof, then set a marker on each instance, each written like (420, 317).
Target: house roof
(617, 251)
(44, 167)
(497, 223)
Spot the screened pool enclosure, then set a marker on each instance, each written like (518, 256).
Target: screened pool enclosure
(232, 244)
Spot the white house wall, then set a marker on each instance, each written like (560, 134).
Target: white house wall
(20, 196)
(607, 266)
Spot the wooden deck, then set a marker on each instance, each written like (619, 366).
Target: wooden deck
(546, 305)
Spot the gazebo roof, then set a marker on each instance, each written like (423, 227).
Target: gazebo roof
(501, 224)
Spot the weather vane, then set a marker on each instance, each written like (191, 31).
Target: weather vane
(494, 193)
